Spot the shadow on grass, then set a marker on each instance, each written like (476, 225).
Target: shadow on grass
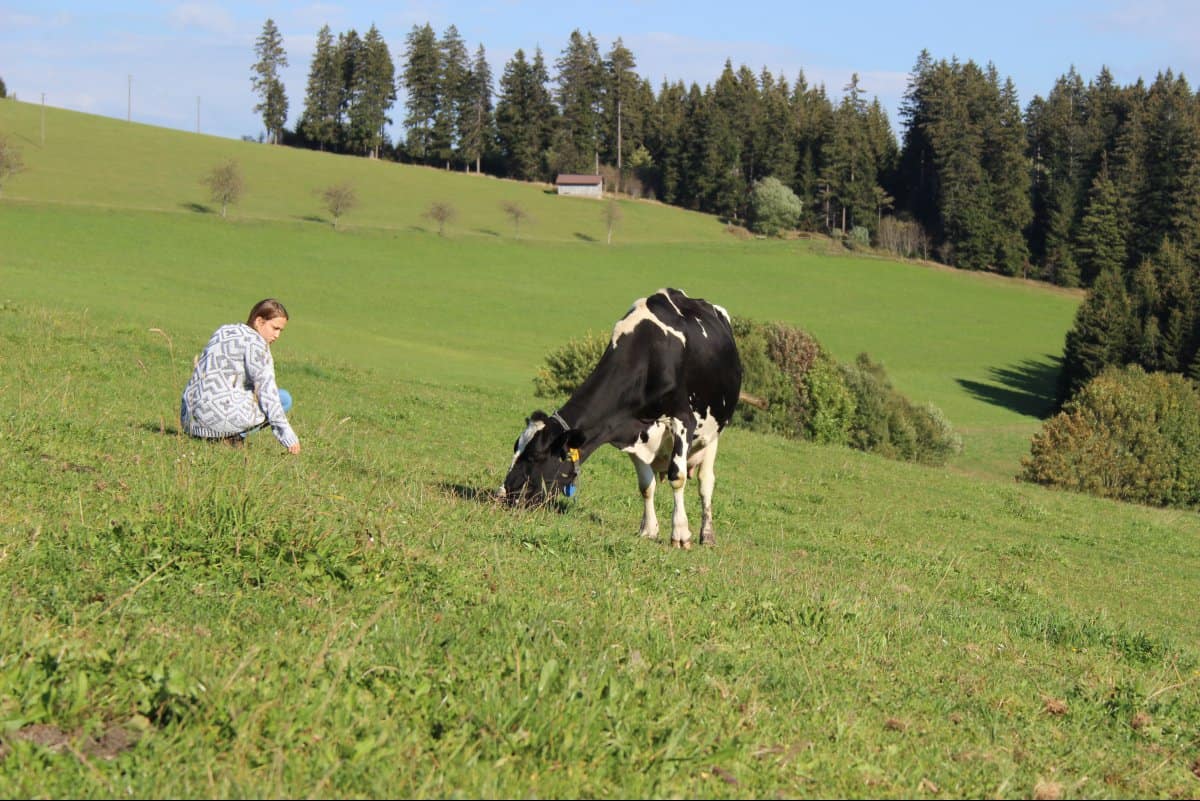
(487, 497)
(312, 218)
(584, 237)
(198, 208)
(1028, 388)
(487, 232)
(477, 494)
(160, 428)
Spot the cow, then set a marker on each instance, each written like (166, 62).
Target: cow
(663, 391)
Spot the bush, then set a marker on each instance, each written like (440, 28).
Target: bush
(1128, 435)
(765, 379)
(773, 207)
(567, 367)
(887, 423)
(807, 394)
(859, 238)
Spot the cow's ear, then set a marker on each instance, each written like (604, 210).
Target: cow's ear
(537, 417)
(566, 441)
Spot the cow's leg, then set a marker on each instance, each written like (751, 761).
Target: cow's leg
(646, 484)
(707, 479)
(681, 535)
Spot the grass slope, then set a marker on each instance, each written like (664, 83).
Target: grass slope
(487, 312)
(106, 162)
(185, 620)
(190, 621)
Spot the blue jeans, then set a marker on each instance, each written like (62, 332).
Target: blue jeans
(285, 398)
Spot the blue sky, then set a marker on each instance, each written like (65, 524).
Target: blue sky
(186, 65)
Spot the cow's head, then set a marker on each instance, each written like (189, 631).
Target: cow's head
(545, 461)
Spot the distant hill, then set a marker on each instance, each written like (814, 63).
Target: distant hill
(101, 161)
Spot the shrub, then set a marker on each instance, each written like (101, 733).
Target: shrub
(1128, 435)
(859, 238)
(568, 366)
(765, 379)
(773, 207)
(887, 423)
(807, 394)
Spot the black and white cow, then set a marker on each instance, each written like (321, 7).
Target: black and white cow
(663, 391)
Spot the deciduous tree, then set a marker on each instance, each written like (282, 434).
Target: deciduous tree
(612, 216)
(11, 161)
(441, 212)
(339, 200)
(517, 213)
(225, 184)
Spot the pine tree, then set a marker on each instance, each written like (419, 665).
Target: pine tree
(454, 96)
(812, 120)
(579, 82)
(918, 176)
(1099, 337)
(273, 104)
(621, 114)
(321, 120)
(420, 79)
(666, 141)
(1007, 168)
(478, 124)
(524, 116)
(349, 54)
(1059, 140)
(373, 90)
(720, 184)
(1099, 243)
(776, 135)
(1172, 142)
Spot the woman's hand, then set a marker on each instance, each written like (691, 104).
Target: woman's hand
(294, 448)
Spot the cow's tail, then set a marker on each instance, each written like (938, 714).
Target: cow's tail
(753, 400)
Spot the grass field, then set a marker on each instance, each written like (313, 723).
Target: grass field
(186, 620)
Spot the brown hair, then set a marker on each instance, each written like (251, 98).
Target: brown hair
(268, 309)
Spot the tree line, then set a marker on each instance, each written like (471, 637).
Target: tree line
(1094, 185)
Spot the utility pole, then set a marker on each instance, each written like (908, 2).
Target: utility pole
(620, 174)
(129, 100)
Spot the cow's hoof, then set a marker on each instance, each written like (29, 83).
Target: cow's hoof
(684, 544)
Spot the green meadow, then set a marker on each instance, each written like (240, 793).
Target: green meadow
(186, 620)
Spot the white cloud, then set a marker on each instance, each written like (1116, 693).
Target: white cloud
(204, 16)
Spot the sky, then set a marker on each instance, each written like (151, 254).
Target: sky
(187, 65)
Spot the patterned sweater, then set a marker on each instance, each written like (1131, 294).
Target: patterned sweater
(233, 388)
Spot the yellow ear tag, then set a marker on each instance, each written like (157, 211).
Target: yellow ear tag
(573, 453)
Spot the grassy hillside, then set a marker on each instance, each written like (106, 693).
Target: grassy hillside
(101, 161)
(487, 312)
(982, 348)
(186, 620)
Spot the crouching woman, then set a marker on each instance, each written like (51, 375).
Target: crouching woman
(232, 391)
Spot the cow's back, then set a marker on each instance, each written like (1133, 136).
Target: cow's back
(683, 345)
